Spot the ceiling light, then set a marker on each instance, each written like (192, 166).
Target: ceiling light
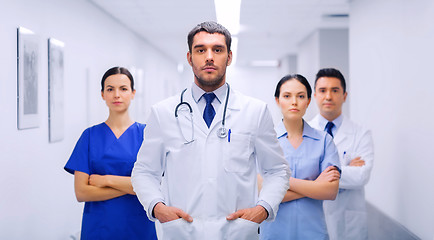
(228, 14)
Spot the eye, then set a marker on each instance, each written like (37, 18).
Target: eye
(335, 90)
(109, 89)
(322, 90)
(301, 96)
(200, 50)
(124, 89)
(218, 50)
(285, 96)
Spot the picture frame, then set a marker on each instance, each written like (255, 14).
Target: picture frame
(27, 79)
(55, 90)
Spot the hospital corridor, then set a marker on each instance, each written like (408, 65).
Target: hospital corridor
(59, 62)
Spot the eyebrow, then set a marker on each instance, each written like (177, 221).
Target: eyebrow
(296, 93)
(202, 45)
(330, 88)
(113, 86)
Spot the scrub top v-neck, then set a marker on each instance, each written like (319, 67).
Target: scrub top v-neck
(99, 151)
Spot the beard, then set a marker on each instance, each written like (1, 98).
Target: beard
(210, 82)
(217, 81)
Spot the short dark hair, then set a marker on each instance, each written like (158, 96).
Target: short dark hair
(331, 72)
(297, 77)
(114, 71)
(209, 27)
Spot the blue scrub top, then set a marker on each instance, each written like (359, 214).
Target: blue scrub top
(98, 151)
(303, 218)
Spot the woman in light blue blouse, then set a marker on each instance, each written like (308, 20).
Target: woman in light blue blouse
(314, 162)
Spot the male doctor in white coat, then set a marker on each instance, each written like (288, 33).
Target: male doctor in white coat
(346, 215)
(196, 179)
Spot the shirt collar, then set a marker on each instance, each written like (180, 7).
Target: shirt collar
(337, 122)
(280, 130)
(198, 92)
(308, 131)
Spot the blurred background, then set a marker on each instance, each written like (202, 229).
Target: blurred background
(384, 48)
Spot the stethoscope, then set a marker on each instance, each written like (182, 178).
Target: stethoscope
(221, 132)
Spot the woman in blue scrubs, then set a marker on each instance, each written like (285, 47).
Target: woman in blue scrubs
(314, 162)
(102, 162)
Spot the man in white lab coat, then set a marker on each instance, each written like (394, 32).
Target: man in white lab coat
(346, 215)
(196, 174)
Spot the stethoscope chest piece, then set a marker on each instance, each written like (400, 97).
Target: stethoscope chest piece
(222, 132)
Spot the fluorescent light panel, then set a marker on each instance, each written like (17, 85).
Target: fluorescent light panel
(228, 15)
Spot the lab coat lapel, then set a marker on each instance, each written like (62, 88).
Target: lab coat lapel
(343, 132)
(232, 106)
(197, 115)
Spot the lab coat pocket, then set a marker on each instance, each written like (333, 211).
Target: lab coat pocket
(237, 151)
(242, 229)
(355, 224)
(178, 229)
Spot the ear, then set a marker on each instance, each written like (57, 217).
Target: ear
(102, 95)
(345, 96)
(134, 94)
(229, 58)
(190, 61)
(308, 102)
(277, 100)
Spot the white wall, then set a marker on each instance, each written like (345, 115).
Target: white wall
(257, 82)
(37, 199)
(324, 48)
(334, 50)
(288, 65)
(308, 56)
(391, 62)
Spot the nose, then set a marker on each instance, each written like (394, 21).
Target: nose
(209, 56)
(328, 95)
(294, 101)
(116, 93)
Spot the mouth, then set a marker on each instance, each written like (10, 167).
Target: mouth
(294, 110)
(209, 68)
(117, 103)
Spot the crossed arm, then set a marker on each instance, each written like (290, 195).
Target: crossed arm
(324, 187)
(90, 188)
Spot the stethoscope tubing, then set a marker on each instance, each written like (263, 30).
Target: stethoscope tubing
(222, 133)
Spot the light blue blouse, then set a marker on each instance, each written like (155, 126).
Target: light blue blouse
(303, 218)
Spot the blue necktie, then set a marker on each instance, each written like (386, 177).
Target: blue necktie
(209, 112)
(329, 127)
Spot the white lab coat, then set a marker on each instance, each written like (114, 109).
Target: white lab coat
(346, 215)
(211, 177)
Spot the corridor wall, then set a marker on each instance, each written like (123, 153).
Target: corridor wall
(323, 48)
(391, 51)
(38, 199)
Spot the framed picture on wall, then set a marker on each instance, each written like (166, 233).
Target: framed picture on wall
(27, 74)
(55, 90)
